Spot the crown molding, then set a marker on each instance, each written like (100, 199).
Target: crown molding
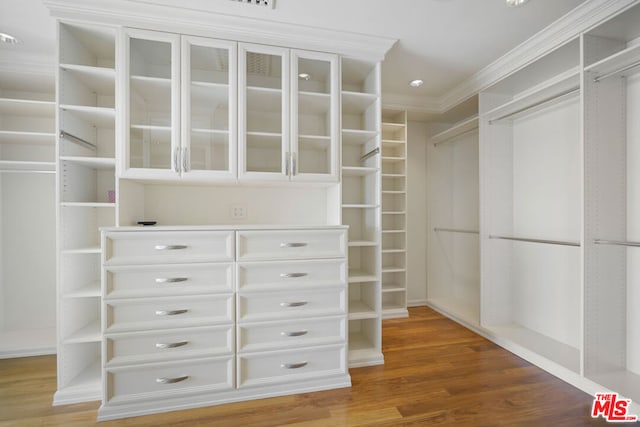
(205, 23)
(565, 29)
(413, 103)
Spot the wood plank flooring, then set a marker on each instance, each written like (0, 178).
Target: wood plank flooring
(436, 373)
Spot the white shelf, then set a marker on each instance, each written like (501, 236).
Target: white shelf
(358, 276)
(393, 159)
(210, 131)
(99, 79)
(358, 342)
(393, 175)
(393, 231)
(393, 213)
(456, 130)
(617, 61)
(317, 142)
(362, 243)
(90, 333)
(394, 192)
(99, 163)
(87, 205)
(27, 107)
(27, 137)
(357, 136)
(394, 251)
(89, 291)
(357, 102)
(81, 251)
(151, 88)
(360, 310)
(358, 170)
(392, 143)
(19, 166)
(392, 269)
(98, 116)
(358, 206)
(156, 128)
(263, 99)
(314, 103)
(392, 287)
(392, 127)
(88, 379)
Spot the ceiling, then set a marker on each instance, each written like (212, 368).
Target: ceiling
(443, 42)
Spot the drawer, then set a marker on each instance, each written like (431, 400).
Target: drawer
(291, 274)
(158, 247)
(168, 380)
(291, 244)
(281, 305)
(179, 279)
(161, 313)
(297, 333)
(153, 346)
(291, 365)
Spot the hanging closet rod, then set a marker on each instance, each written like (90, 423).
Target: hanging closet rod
(77, 140)
(616, 242)
(522, 239)
(435, 144)
(456, 230)
(542, 102)
(370, 154)
(613, 73)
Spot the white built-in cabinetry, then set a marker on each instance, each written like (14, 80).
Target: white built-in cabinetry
(27, 213)
(394, 213)
(195, 317)
(86, 154)
(453, 262)
(361, 206)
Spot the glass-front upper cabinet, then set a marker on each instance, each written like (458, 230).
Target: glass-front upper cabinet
(315, 131)
(209, 119)
(152, 102)
(263, 114)
(180, 107)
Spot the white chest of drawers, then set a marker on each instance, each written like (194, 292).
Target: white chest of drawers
(200, 316)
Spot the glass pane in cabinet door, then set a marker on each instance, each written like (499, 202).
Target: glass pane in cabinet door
(150, 104)
(209, 109)
(315, 119)
(264, 113)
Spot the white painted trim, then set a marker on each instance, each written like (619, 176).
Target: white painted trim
(200, 22)
(418, 303)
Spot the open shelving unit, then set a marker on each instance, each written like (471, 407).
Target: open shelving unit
(361, 206)
(394, 213)
(453, 262)
(612, 229)
(27, 213)
(531, 186)
(86, 199)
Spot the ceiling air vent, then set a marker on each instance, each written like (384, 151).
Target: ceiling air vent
(269, 3)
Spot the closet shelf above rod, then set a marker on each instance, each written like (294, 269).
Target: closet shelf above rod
(618, 71)
(457, 130)
(616, 242)
(544, 101)
(524, 239)
(77, 140)
(456, 230)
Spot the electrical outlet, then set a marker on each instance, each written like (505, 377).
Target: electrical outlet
(238, 211)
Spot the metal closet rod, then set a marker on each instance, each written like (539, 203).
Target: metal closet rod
(616, 242)
(456, 230)
(77, 140)
(435, 144)
(613, 73)
(542, 102)
(370, 154)
(523, 239)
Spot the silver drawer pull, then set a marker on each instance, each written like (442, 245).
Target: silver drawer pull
(171, 312)
(293, 245)
(171, 344)
(170, 247)
(293, 365)
(294, 333)
(292, 275)
(171, 279)
(164, 380)
(293, 304)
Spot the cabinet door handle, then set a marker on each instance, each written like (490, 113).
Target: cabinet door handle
(171, 279)
(171, 312)
(176, 160)
(292, 275)
(294, 164)
(170, 247)
(293, 333)
(171, 344)
(287, 158)
(165, 380)
(293, 304)
(293, 245)
(293, 365)
(185, 159)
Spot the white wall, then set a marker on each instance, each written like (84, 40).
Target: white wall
(417, 213)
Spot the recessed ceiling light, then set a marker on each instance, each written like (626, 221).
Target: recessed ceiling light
(304, 76)
(416, 83)
(516, 3)
(8, 38)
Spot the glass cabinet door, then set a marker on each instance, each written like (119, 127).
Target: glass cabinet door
(263, 112)
(152, 119)
(209, 108)
(315, 119)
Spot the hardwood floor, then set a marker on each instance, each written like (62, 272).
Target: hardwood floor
(435, 372)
